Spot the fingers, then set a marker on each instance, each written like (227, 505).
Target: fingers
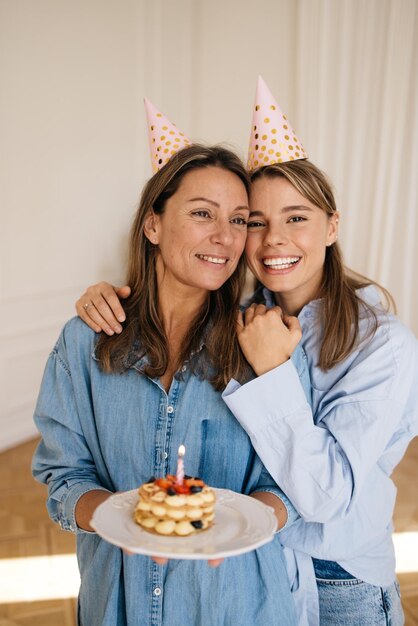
(82, 309)
(161, 561)
(292, 323)
(123, 292)
(107, 303)
(100, 307)
(215, 562)
(100, 320)
(268, 337)
(107, 310)
(256, 310)
(253, 311)
(294, 327)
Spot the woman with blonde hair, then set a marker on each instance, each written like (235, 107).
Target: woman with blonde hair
(332, 456)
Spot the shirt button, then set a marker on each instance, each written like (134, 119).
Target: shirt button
(170, 409)
(184, 368)
(165, 455)
(157, 591)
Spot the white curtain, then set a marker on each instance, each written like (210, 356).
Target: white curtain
(357, 108)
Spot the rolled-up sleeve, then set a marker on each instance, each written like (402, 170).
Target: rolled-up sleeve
(62, 460)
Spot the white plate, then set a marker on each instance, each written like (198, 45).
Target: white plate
(241, 524)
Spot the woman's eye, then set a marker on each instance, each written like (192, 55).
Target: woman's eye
(254, 224)
(239, 220)
(201, 213)
(297, 218)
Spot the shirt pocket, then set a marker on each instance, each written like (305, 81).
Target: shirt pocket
(226, 455)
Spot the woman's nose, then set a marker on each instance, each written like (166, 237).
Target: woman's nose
(222, 233)
(275, 236)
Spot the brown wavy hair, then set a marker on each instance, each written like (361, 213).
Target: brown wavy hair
(214, 325)
(341, 305)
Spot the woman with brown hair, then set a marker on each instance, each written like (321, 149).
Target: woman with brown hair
(112, 413)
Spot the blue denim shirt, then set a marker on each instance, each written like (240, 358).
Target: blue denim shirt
(114, 431)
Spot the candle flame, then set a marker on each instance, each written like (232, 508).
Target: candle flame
(182, 450)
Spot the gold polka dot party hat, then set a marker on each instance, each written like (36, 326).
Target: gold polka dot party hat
(272, 138)
(164, 137)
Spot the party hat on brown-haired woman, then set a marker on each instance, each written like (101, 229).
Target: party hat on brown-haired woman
(165, 139)
(272, 138)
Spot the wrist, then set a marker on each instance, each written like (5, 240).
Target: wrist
(86, 505)
(275, 503)
(263, 368)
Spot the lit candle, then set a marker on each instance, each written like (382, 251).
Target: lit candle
(180, 465)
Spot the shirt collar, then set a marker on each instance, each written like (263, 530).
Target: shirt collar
(135, 360)
(370, 294)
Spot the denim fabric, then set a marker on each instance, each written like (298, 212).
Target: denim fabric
(115, 432)
(330, 570)
(347, 601)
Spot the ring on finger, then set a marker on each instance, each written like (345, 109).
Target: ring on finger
(86, 306)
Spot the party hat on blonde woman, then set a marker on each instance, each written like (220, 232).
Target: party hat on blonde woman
(272, 138)
(165, 139)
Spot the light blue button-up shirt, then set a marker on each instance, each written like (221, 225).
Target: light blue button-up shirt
(334, 458)
(115, 431)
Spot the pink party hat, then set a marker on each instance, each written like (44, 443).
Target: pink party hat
(165, 139)
(272, 138)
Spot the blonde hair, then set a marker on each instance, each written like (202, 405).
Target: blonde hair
(341, 304)
(144, 334)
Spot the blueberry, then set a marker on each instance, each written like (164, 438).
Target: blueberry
(150, 480)
(171, 491)
(197, 524)
(195, 489)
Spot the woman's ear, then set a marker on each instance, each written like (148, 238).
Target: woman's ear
(151, 228)
(333, 228)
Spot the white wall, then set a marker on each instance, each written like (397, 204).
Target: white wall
(71, 165)
(73, 153)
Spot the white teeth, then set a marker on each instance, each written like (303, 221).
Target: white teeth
(212, 259)
(282, 263)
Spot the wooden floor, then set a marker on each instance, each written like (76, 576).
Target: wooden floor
(26, 531)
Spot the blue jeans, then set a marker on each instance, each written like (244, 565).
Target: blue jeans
(347, 601)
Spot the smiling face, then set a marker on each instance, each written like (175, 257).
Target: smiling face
(287, 240)
(201, 233)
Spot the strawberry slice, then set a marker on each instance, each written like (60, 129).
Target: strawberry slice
(183, 489)
(163, 483)
(194, 482)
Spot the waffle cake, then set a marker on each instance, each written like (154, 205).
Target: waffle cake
(171, 509)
